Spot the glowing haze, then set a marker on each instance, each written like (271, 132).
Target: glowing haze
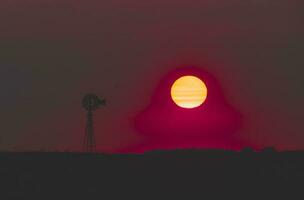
(167, 126)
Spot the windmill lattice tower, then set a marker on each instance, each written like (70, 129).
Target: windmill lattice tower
(90, 102)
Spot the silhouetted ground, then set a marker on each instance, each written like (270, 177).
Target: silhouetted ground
(156, 175)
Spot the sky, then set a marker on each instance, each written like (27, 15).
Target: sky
(53, 52)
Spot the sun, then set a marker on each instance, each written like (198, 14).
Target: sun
(189, 92)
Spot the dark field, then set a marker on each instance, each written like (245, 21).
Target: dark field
(156, 175)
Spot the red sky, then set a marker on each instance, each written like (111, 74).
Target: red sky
(53, 52)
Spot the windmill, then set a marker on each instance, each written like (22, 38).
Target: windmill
(90, 102)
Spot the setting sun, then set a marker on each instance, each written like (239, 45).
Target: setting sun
(189, 92)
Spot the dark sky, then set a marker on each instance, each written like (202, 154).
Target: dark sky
(52, 52)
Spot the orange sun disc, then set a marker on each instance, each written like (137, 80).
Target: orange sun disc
(189, 92)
